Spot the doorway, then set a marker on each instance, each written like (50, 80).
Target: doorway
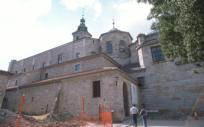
(4, 103)
(125, 99)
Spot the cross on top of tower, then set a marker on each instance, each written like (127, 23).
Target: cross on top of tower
(113, 23)
(82, 12)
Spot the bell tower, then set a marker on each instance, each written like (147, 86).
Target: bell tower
(82, 31)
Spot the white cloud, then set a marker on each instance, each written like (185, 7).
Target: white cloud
(73, 5)
(98, 8)
(132, 15)
(24, 10)
(21, 33)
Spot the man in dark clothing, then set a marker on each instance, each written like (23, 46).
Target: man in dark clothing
(143, 113)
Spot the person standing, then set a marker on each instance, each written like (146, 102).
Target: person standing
(134, 113)
(143, 114)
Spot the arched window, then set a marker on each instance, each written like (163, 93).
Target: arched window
(122, 46)
(77, 37)
(109, 48)
(123, 49)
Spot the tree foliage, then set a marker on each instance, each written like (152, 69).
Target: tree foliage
(180, 24)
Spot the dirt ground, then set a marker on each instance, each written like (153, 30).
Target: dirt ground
(8, 119)
(27, 123)
(75, 123)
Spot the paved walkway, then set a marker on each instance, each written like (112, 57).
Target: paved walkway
(190, 122)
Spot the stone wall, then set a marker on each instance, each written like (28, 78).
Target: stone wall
(80, 48)
(121, 56)
(39, 99)
(90, 63)
(4, 77)
(134, 58)
(170, 89)
(68, 51)
(173, 89)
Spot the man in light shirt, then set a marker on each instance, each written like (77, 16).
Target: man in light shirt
(134, 113)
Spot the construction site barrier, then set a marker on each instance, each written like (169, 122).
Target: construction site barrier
(19, 116)
(104, 115)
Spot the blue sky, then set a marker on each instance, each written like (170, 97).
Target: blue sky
(28, 27)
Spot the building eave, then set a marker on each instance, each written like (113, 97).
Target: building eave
(81, 31)
(117, 67)
(116, 32)
(6, 73)
(70, 76)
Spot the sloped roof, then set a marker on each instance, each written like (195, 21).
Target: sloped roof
(5, 72)
(67, 76)
(114, 30)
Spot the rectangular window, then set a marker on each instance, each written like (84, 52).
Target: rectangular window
(46, 75)
(24, 70)
(43, 65)
(77, 55)
(109, 47)
(33, 67)
(16, 82)
(157, 54)
(77, 67)
(96, 89)
(141, 81)
(59, 58)
(32, 99)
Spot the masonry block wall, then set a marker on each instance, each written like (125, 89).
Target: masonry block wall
(39, 99)
(4, 77)
(168, 88)
(173, 90)
(120, 42)
(89, 63)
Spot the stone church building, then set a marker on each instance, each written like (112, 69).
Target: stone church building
(111, 70)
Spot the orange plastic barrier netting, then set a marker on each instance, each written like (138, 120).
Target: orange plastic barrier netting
(106, 119)
(22, 101)
(104, 114)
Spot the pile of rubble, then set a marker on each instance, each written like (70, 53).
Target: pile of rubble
(8, 119)
(6, 116)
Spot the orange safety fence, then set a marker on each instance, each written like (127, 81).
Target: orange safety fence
(104, 114)
(84, 116)
(22, 101)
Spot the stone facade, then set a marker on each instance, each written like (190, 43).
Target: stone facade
(86, 63)
(4, 77)
(129, 73)
(39, 98)
(171, 89)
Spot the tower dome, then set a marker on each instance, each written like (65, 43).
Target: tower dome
(82, 20)
(82, 31)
